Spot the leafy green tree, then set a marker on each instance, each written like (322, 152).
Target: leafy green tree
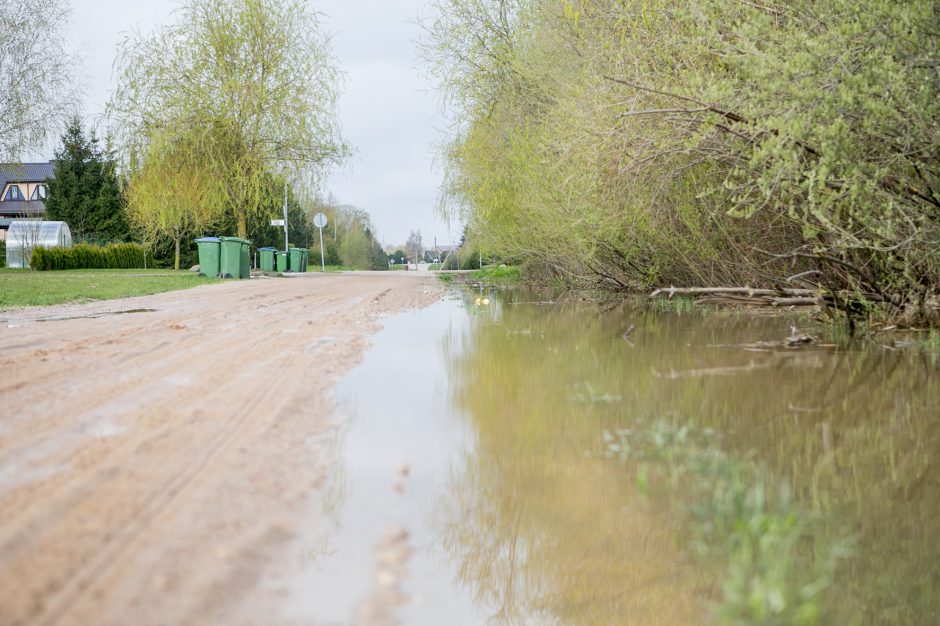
(171, 195)
(377, 259)
(300, 228)
(248, 86)
(85, 191)
(639, 143)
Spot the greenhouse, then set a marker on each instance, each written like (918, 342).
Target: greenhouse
(24, 235)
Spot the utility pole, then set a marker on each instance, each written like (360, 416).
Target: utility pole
(286, 240)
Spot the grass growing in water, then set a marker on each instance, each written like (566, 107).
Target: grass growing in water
(29, 288)
(676, 304)
(772, 559)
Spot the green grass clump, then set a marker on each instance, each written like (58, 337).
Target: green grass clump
(676, 304)
(501, 275)
(29, 288)
(772, 559)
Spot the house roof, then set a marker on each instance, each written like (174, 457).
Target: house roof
(20, 208)
(25, 172)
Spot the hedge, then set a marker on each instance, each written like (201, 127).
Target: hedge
(85, 256)
(3, 254)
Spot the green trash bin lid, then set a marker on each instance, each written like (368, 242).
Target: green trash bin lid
(207, 240)
(267, 248)
(238, 239)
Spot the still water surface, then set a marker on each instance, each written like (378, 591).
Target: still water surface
(477, 448)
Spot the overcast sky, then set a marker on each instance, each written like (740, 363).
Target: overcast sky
(389, 111)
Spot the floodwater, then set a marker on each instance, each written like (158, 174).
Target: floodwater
(479, 486)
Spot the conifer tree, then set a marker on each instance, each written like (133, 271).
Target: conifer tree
(84, 191)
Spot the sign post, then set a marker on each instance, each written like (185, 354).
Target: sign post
(319, 220)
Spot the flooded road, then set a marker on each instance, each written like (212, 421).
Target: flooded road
(377, 559)
(519, 462)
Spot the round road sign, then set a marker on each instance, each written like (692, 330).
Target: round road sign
(319, 220)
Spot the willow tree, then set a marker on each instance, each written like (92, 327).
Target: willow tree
(641, 143)
(171, 194)
(248, 86)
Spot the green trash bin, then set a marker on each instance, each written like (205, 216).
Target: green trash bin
(267, 259)
(245, 266)
(283, 261)
(232, 257)
(209, 256)
(306, 260)
(296, 258)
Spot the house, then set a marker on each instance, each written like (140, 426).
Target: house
(439, 253)
(22, 192)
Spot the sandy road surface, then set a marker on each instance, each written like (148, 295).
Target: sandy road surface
(152, 462)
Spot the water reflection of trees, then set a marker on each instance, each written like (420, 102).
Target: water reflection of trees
(541, 532)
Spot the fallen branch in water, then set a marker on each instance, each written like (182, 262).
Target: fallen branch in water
(744, 291)
(780, 296)
(733, 299)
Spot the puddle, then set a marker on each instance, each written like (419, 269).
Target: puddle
(380, 559)
(476, 488)
(94, 315)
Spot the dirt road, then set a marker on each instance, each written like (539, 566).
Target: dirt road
(156, 451)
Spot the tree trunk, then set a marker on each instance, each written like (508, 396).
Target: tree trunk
(242, 225)
(176, 259)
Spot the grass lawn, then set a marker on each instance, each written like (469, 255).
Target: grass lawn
(29, 288)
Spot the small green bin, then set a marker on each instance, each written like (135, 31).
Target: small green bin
(283, 261)
(304, 256)
(234, 257)
(209, 256)
(245, 265)
(267, 259)
(296, 259)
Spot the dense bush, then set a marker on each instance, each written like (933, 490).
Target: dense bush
(85, 256)
(643, 143)
(3, 254)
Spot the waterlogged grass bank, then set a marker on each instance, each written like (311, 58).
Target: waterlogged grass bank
(28, 288)
(492, 276)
